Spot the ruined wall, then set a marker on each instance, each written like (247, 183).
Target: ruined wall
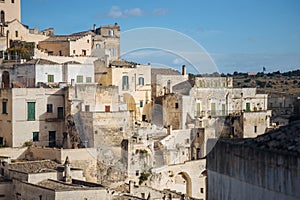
(172, 111)
(241, 172)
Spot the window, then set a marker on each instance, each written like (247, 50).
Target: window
(2, 16)
(83, 52)
(213, 109)
(223, 110)
(255, 129)
(17, 34)
(74, 51)
(12, 1)
(87, 108)
(137, 172)
(111, 32)
(35, 136)
(88, 41)
(113, 52)
(141, 81)
(50, 78)
(202, 190)
(79, 79)
(30, 111)
(107, 108)
(88, 79)
(4, 107)
(176, 105)
(49, 108)
(248, 107)
(97, 46)
(198, 109)
(125, 83)
(60, 112)
(141, 104)
(60, 53)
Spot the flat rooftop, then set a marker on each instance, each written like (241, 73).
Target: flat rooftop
(75, 185)
(40, 166)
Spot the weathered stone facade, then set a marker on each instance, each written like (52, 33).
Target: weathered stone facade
(266, 167)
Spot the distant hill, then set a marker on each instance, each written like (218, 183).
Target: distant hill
(275, 83)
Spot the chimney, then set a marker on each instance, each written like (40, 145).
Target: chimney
(183, 70)
(95, 27)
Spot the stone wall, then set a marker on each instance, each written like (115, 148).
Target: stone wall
(241, 172)
(6, 190)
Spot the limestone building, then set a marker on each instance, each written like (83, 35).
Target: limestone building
(46, 180)
(134, 85)
(32, 116)
(10, 10)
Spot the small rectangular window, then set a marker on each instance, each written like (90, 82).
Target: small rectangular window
(74, 51)
(111, 32)
(30, 111)
(176, 105)
(35, 136)
(141, 104)
(107, 108)
(113, 52)
(141, 81)
(4, 107)
(125, 83)
(49, 108)
(60, 112)
(12, 1)
(137, 172)
(17, 34)
(87, 108)
(50, 78)
(88, 79)
(255, 129)
(79, 79)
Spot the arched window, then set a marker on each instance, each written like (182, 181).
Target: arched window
(2, 16)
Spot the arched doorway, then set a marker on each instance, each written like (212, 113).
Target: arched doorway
(188, 183)
(131, 105)
(5, 79)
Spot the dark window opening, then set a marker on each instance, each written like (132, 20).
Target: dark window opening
(35, 136)
(49, 108)
(176, 105)
(60, 112)
(4, 107)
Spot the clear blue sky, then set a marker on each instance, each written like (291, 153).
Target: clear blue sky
(240, 35)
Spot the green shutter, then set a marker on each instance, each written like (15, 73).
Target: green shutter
(79, 79)
(30, 110)
(248, 107)
(223, 109)
(35, 136)
(50, 78)
(198, 109)
(88, 79)
(213, 109)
